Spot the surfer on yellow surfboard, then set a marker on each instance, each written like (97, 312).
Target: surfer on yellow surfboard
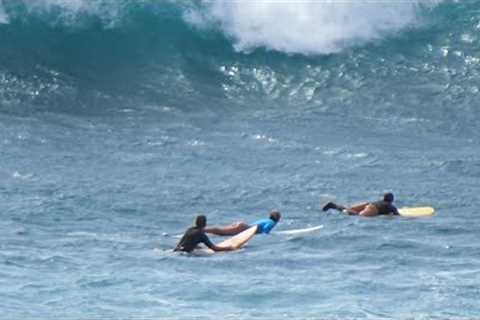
(367, 209)
(381, 207)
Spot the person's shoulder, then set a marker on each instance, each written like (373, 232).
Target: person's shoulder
(193, 230)
(263, 221)
(382, 203)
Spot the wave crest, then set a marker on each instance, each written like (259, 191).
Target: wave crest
(66, 12)
(3, 15)
(307, 27)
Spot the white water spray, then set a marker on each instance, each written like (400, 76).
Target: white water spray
(308, 27)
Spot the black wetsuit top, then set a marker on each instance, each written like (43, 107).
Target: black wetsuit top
(385, 207)
(192, 237)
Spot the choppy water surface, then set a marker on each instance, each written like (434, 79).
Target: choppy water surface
(121, 120)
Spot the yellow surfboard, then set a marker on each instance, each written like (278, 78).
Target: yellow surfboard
(236, 241)
(416, 212)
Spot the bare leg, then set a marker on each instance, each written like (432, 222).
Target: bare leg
(353, 210)
(369, 211)
(333, 205)
(230, 230)
(356, 209)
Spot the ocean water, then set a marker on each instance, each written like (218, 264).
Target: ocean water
(120, 120)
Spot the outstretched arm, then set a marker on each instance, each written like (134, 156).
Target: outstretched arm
(217, 248)
(395, 211)
(209, 244)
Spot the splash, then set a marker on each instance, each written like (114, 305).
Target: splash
(308, 27)
(3, 15)
(303, 26)
(67, 11)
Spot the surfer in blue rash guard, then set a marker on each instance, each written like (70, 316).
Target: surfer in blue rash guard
(263, 226)
(367, 209)
(196, 235)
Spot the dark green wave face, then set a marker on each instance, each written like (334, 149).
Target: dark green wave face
(348, 58)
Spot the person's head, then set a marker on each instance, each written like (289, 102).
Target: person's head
(388, 197)
(275, 215)
(201, 221)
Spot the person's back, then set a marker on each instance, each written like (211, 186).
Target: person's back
(191, 239)
(266, 225)
(385, 207)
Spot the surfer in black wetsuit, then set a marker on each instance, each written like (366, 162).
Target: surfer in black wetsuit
(196, 235)
(368, 209)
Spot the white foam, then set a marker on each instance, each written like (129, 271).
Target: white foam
(107, 10)
(307, 26)
(3, 14)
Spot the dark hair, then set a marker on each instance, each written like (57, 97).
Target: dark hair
(388, 197)
(201, 221)
(275, 215)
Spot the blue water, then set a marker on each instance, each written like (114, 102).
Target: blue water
(121, 120)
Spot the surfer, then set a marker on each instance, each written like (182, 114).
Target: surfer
(263, 226)
(367, 209)
(196, 235)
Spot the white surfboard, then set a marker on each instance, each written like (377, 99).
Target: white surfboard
(299, 231)
(236, 241)
(416, 212)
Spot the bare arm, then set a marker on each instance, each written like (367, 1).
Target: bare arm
(209, 244)
(217, 248)
(369, 211)
(395, 211)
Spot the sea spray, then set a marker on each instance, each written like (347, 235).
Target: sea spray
(308, 27)
(3, 15)
(67, 12)
(120, 122)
